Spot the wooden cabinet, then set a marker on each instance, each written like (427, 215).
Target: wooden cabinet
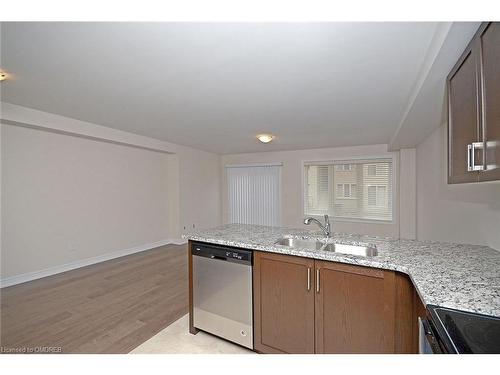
(463, 120)
(489, 62)
(283, 304)
(474, 110)
(307, 306)
(355, 309)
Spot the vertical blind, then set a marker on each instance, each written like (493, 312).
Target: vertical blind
(355, 189)
(254, 194)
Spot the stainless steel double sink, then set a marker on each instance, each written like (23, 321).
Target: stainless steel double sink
(312, 244)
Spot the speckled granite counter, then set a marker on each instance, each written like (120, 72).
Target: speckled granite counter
(464, 277)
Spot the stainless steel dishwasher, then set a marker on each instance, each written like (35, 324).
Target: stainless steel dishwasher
(222, 292)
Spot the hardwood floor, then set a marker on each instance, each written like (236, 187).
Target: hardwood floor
(110, 307)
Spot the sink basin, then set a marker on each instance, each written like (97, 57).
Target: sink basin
(360, 250)
(366, 251)
(299, 243)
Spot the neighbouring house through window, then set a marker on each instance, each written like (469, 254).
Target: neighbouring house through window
(354, 189)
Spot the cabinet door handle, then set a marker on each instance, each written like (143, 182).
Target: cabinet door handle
(308, 279)
(471, 156)
(469, 166)
(480, 146)
(317, 280)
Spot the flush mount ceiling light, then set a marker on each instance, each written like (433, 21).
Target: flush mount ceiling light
(3, 75)
(265, 138)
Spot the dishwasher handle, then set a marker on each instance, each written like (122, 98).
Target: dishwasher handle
(217, 257)
(222, 253)
(427, 342)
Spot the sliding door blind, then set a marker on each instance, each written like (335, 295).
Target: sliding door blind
(351, 189)
(254, 194)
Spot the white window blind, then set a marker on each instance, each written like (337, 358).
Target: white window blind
(363, 190)
(254, 194)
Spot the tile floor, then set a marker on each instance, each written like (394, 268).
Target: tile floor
(176, 339)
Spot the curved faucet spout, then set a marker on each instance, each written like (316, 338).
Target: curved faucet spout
(325, 228)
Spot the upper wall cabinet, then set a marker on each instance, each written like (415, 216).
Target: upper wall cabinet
(490, 100)
(474, 110)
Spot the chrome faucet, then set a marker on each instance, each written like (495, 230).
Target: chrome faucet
(325, 228)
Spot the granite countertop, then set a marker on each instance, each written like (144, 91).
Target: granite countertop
(464, 277)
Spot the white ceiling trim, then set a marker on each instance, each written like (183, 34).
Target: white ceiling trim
(12, 114)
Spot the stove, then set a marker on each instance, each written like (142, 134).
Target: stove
(455, 331)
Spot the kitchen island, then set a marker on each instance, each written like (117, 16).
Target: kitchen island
(458, 276)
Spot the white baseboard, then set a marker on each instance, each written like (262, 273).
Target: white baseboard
(18, 279)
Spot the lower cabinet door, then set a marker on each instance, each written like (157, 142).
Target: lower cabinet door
(355, 309)
(283, 303)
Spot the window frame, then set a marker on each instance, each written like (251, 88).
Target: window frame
(393, 157)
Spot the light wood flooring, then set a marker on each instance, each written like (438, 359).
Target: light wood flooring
(110, 307)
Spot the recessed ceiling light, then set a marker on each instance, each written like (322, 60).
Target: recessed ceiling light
(3, 75)
(265, 138)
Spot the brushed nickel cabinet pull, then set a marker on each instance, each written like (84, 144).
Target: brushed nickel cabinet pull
(471, 156)
(469, 166)
(308, 278)
(317, 280)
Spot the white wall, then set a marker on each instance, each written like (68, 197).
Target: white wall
(66, 198)
(200, 189)
(465, 213)
(73, 191)
(408, 193)
(292, 180)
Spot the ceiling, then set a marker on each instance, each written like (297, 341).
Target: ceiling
(214, 86)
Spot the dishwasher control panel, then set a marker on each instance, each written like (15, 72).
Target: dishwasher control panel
(222, 253)
(234, 255)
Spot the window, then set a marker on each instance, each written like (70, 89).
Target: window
(363, 190)
(254, 194)
(343, 167)
(372, 170)
(377, 195)
(346, 191)
(353, 191)
(340, 190)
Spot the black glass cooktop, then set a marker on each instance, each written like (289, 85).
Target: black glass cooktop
(466, 332)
